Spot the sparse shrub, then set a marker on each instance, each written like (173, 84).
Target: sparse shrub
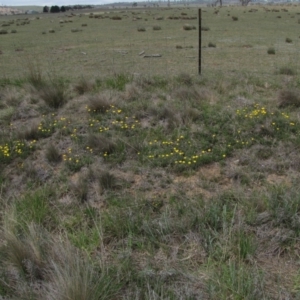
(178, 47)
(54, 94)
(98, 104)
(287, 71)
(288, 40)
(156, 27)
(141, 28)
(3, 31)
(84, 25)
(14, 31)
(51, 31)
(188, 27)
(52, 154)
(76, 30)
(289, 98)
(235, 18)
(83, 86)
(44, 32)
(211, 45)
(271, 50)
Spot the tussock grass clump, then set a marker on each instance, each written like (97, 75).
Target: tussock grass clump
(98, 104)
(51, 31)
(116, 18)
(190, 115)
(83, 86)
(179, 47)
(100, 144)
(3, 31)
(14, 31)
(54, 94)
(188, 27)
(52, 154)
(156, 27)
(30, 133)
(287, 71)
(132, 92)
(234, 18)
(80, 188)
(141, 28)
(185, 93)
(34, 75)
(288, 40)
(108, 181)
(185, 78)
(84, 25)
(32, 257)
(271, 50)
(26, 253)
(76, 30)
(289, 98)
(205, 28)
(211, 45)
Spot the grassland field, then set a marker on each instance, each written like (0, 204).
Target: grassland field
(126, 177)
(104, 45)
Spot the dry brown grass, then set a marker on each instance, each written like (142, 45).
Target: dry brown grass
(99, 103)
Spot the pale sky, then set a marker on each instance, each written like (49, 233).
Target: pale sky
(56, 2)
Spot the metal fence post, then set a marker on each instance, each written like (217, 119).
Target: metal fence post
(200, 41)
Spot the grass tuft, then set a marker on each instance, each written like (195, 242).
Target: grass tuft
(156, 27)
(108, 181)
(188, 27)
(99, 103)
(52, 154)
(83, 86)
(288, 40)
(54, 94)
(289, 98)
(100, 144)
(287, 71)
(271, 50)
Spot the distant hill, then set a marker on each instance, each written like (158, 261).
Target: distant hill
(29, 7)
(15, 10)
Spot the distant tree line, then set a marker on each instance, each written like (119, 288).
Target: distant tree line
(57, 9)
